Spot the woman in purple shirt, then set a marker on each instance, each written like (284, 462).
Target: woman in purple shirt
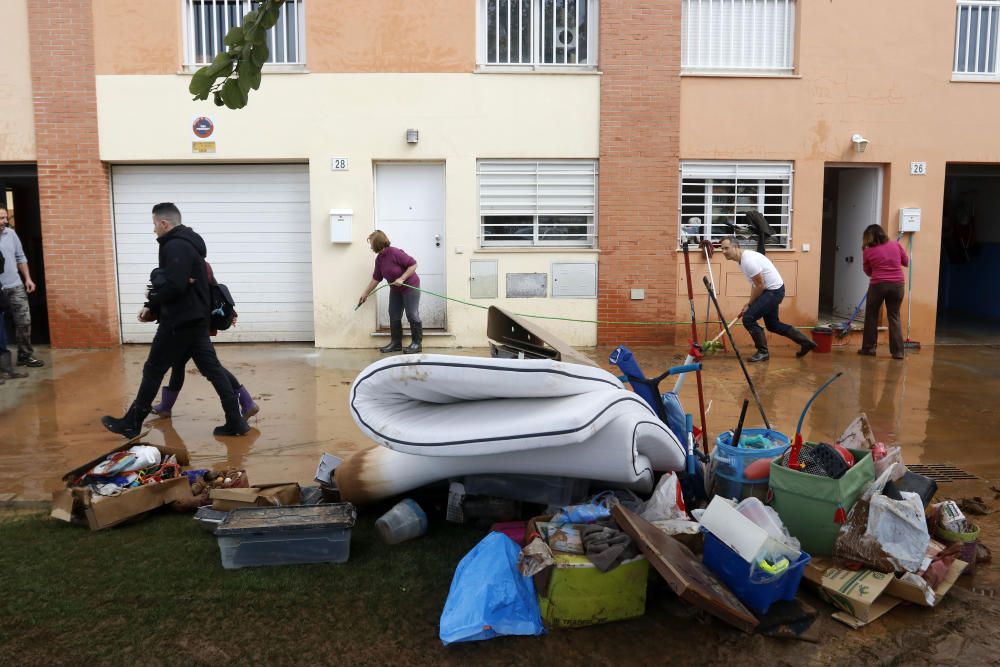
(883, 264)
(400, 271)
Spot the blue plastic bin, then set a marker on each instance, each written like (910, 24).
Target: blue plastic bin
(730, 462)
(757, 595)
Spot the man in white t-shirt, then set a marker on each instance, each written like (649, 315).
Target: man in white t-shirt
(767, 290)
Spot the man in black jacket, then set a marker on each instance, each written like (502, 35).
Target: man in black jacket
(178, 297)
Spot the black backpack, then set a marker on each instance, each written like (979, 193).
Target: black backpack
(222, 305)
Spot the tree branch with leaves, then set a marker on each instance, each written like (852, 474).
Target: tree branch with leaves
(237, 70)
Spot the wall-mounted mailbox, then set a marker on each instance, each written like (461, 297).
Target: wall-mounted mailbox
(340, 225)
(909, 219)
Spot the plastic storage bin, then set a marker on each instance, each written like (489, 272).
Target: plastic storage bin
(813, 507)
(578, 594)
(210, 519)
(539, 489)
(289, 535)
(757, 594)
(730, 461)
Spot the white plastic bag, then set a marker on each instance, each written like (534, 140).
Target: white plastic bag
(768, 519)
(666, 502)
(895, 533)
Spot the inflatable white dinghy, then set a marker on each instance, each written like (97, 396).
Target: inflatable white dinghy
(441, 416)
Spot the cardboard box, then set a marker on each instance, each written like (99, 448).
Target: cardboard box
(857, 592)
(278, 494)
(867, 594)
(81, 505)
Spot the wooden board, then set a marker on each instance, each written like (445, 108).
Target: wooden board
(684, 572)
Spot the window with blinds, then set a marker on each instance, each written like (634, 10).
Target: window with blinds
(751, 36)
(538, 33)
(976, 39)
(206, 23)
(537, 202)
(716, 195)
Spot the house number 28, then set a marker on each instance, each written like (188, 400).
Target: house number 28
(338, 164)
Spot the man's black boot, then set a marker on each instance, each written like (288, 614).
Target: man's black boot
(129, 425)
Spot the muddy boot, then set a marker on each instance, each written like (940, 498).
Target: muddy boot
(396, 338)
(247, 405)
(805, 345)
(131, 424)
(760, 340)
(7, 371)
(235, 425)
(166, 404)
(417, 338)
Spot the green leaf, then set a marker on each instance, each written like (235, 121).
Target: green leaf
(234, 37)
(232, 95)
(270, 17)
(259, 55)
(244, 84)
(255, 78)
(223, 64)
(218, 100)
(201, 84)
(260, 37)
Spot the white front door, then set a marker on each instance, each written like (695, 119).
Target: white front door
(858, 205)
(409, 208)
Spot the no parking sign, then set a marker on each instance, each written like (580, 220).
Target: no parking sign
(202, 128)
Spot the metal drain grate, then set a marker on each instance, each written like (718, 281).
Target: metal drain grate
(940, 472)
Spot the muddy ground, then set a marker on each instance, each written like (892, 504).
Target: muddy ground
(938, 405)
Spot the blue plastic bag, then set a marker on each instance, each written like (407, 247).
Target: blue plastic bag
(489, 597)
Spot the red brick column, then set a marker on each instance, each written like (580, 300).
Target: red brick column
(640, 125)
(72, 182)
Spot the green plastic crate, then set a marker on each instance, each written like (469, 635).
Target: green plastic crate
(808, 504)
(579, 594)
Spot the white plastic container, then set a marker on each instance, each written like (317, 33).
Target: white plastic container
(404, 521)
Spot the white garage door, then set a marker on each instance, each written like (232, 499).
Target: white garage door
(255, 222)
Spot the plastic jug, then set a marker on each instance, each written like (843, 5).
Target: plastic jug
(404, 521)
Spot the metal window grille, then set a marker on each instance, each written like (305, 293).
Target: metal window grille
(738, 35)
(715, 196)
(539, 32)
(976, 38)
(538, 202)
(206, 23)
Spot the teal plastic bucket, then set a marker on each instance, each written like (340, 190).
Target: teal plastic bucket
(730, 462)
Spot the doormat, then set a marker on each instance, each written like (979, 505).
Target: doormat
(940, 472)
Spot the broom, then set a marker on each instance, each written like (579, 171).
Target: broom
(909, 343)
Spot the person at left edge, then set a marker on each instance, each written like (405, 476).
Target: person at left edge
(178, 297)
(16, 282)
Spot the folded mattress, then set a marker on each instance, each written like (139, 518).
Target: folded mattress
(440, 416)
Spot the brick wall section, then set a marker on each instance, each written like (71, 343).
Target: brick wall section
(72, 181)
(640, 125)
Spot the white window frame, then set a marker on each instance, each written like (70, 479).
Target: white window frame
(703, 196)
(725, 37)
(980, 59)
(292, 12)
(536, 60)
(537, 189)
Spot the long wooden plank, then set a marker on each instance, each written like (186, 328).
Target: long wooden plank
(683, 572)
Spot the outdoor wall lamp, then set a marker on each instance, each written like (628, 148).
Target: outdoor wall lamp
(412, 136)
(860, 143)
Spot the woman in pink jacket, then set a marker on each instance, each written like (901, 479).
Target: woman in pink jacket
(883, 264)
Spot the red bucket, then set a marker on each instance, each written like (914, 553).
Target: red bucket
(823, 337)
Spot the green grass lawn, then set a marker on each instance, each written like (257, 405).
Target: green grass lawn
(156, 590)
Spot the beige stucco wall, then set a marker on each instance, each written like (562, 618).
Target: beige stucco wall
(146, 36)
(314, 117)
(860, 70)
(17, 122)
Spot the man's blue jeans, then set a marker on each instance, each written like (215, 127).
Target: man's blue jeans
(766, 307)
